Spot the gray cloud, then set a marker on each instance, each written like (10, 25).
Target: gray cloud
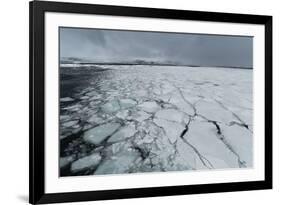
(112, 45)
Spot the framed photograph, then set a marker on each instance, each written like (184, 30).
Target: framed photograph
(140, 102)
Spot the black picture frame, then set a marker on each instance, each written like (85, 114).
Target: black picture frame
(37, 9)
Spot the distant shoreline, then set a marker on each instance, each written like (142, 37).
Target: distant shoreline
(152, 64)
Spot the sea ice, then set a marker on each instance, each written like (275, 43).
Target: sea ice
(240, 139)
(98, 134)
(149, 106)
(70, 123)
(213, 111)
(66, 99)
(95, 119)
(122, 134)
(140, 116)
(123, 114)
(120, 163)
(86, 162)
(172, 130)
(64, 161)
(111, 107)
(157, 118)
(170, 115)
(127, 103)
(203, 136)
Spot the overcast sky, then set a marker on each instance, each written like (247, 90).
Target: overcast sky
(118, 46)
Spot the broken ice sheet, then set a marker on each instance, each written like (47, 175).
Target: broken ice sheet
(122, 134)
(111, 106)
(127, 103)
(203, 137)
(150, 107)
(86, 162)
(172, 130)
(140, 116)
(120, 163)
(97, 134)
(144, 119)
(171, 115)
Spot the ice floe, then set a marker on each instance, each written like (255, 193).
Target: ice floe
(66, 99)
(123, 133)
(120, 163)
(149, 106)
(127, 103)
(111, 107)
(86, 162)
(98, 134)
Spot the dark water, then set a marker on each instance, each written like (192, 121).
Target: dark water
(74, 80)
